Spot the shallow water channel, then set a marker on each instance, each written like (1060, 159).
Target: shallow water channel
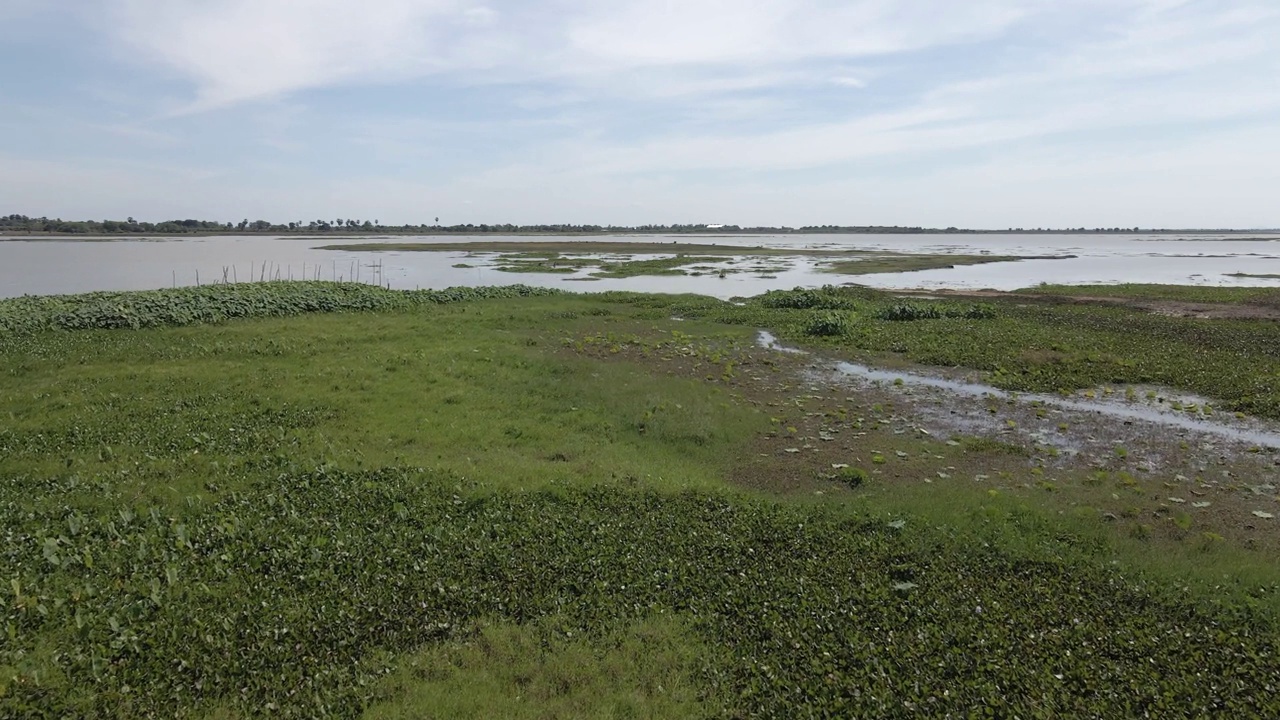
(1250, 432)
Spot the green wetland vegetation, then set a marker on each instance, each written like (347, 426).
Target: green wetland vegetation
(913, 263)
(684, 258)
(1269, 296)
(307, 499)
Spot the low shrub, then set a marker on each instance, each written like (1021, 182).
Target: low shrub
(827, 324)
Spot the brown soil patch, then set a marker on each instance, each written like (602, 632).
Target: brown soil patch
(1145, 482)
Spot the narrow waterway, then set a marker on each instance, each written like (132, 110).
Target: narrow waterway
(1159, 413)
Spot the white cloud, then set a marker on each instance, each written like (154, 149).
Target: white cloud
(238, 50)
(1217, 180)
(984, 112)
(849, 81)
(1178, 68)
(664, 32)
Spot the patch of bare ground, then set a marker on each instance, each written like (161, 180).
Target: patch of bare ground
(1144, 480)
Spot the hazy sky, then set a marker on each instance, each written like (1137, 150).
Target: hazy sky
(975, 113)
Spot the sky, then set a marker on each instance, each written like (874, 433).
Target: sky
(980, 114)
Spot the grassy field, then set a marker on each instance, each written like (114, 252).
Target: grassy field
(1186, 293)
(304, 498)
(1041, 347)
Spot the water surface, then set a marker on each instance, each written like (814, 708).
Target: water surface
(52, 266)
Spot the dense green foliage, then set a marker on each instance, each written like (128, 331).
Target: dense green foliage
(22, 223)
(827, 324)
(801, 299)
(935, 311)
(536, 671)
(216, 303)
(282, 596)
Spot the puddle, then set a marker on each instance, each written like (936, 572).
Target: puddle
(1108, 408)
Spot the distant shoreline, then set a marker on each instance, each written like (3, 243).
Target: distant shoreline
(12, 236)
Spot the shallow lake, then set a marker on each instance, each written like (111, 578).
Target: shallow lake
(56, 266)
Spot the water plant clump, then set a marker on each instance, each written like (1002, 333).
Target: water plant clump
(217, 303)
(827, 324)
(288, 596)
(935, 311)
(801, 299)
(853, 477)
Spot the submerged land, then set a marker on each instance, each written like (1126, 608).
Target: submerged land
(630, 259)
(308, 498)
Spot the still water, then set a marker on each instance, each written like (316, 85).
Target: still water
(52, 266)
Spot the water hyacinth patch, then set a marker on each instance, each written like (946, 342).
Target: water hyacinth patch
(217, 303)
(284, 596)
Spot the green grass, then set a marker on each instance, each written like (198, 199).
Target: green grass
(647, 670)
(913, 263)
(655, 266)
(500, 503)
(548, 262)
(1041, 347)
(474, 389)
(553, 263)
(1185, 293)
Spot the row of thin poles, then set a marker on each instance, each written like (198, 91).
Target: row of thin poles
(371, 274)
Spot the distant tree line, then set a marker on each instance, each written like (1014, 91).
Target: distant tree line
(22, 224)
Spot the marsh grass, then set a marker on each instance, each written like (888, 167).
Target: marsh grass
(899, 263)
(477, 390)
(1268, 296)
(407, 509)
(654, 266)
(1041, 347)
(651, 669)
